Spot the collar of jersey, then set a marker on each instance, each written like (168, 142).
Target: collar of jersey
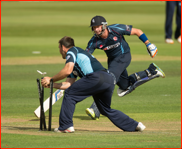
(110, 31)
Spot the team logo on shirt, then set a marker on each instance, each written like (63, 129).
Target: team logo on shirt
(75, 73)
(67, 58)
(112, 46)
(115, 38)
(127, 27)
(100, 46)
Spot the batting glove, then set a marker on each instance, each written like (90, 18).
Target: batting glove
(152, 49)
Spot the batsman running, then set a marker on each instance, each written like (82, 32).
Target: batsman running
(111, 40)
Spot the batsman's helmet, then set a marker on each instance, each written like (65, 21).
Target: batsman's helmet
(98, 20)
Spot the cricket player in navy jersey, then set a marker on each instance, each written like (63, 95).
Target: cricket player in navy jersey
(170, 8)
(111, 40)
(95, 81)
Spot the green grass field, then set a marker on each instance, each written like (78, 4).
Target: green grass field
(27, 27)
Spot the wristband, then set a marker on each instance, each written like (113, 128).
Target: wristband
(143, 38)
(148, 44)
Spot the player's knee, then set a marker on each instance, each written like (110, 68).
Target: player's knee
(132, 79)
(103, 112)
(123, 85)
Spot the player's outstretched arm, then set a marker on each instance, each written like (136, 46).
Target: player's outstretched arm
(151, 48)
(64, 85)
(66, 71)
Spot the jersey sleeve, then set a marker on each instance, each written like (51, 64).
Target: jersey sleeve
(122, 28)
(72, 76)
(91, 45)
(71, 55)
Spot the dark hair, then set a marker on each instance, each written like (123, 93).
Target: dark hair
(68, 42)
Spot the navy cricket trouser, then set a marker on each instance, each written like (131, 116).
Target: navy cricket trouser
(118, 67)
(100, 85)
(170, 7)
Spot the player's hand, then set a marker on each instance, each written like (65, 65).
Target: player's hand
(46, 82)
(152, 49)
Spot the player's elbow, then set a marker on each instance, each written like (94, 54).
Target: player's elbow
(139, 32)
(68, 72)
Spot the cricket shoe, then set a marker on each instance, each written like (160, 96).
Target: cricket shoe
(68, 130)
(159, 71)
(168, 40)
(140, 127)
(121, 92)
(90, 112)
(179, 39)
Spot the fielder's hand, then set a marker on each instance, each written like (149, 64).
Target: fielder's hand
(152, 49)
(46, 82)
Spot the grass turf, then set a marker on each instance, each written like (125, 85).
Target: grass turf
(37, 26)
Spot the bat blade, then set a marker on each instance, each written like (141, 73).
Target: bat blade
(55, 97)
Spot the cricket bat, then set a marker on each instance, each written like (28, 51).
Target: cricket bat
(55, 97)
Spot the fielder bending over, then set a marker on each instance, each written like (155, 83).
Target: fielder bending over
(95, 81)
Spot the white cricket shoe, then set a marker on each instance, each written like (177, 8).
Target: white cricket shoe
(68, 130)
(159, 71)
(90, 112)
(140, 127)
(179, 39)
(121, 92)
(170, 41)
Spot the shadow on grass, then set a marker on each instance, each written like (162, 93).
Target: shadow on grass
(18, 128)
(77, 117)
(83, 117)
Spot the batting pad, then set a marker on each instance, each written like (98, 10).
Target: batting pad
(140, 82)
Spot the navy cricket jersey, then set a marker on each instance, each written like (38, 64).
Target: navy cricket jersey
(85, 63)
(114, 44)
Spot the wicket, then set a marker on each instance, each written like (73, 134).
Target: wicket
(50, 104)
(41, 99)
